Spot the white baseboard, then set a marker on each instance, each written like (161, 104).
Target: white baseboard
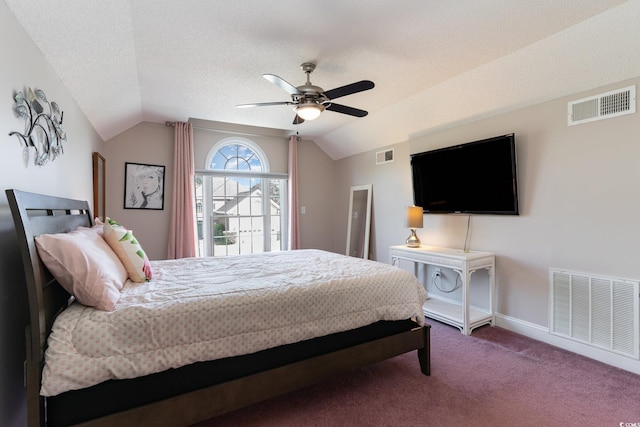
(541, 333)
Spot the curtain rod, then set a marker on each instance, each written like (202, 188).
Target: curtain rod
(173, 124)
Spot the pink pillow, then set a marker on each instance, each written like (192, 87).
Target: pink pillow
(129, 250)
(98, 226)
(84, 264)
(96, 229)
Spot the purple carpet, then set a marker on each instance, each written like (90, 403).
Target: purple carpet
(492, 378)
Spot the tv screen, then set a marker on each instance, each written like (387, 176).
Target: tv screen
(475, 178)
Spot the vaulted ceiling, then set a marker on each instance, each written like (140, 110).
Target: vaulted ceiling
(435, 64)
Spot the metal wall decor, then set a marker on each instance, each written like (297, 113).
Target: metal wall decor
(43, 129)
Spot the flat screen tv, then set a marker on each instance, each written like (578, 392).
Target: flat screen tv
(474, 178)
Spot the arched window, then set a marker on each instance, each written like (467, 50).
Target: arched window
(243, 203)
(238, 156)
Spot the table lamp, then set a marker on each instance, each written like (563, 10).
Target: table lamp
(414, 220)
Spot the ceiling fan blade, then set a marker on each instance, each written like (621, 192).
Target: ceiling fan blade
(297, 120)
(264, 104)
(338, 108)
(281, 83)
(356, 87)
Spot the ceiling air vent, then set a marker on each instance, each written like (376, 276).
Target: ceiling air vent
(385, 156)
(604, 106)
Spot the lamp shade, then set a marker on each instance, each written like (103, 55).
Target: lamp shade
(414, 217)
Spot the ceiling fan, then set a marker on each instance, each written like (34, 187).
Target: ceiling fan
(310, 100)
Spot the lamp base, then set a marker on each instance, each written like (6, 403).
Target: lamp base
(412, 240)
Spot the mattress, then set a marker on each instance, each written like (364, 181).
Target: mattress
(200, 309)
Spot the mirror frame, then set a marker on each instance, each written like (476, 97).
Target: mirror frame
(367, 231)
(99, 187)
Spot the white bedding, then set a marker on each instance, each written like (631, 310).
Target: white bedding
(199, 309)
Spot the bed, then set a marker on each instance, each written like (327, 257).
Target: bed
(200, 389)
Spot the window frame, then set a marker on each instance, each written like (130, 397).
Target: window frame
(265, 175)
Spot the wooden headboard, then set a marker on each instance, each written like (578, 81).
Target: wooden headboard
(35, 214)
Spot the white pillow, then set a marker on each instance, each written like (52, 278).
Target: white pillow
(84, 264)
(129, 250)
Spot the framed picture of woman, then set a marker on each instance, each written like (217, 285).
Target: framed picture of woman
(143, 186)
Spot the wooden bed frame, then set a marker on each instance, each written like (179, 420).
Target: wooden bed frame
(36, 214)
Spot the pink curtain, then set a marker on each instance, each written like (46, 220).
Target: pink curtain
(182, 234)
(294, 227)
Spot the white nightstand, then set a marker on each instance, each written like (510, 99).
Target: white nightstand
(455, 313)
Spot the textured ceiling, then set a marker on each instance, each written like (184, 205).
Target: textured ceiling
(435, 63)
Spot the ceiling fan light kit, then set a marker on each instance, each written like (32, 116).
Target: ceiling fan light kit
(310, 100)
(309, 110)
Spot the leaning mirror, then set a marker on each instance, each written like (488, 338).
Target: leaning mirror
(359, 221)
(99, 183)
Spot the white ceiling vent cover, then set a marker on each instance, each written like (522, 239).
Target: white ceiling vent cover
(604, 106)
(385, 156)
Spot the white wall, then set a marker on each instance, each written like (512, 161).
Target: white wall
(391, 194)
(579, 198)
(273, 142)
(152, 143)
(146, 143)
(68, 176)
(317, 193)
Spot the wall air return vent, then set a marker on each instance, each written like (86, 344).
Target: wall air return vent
(385, 156)
(603, 312)
(604, 106)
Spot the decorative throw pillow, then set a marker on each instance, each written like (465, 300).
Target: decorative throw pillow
(128, 249)
(83, 263)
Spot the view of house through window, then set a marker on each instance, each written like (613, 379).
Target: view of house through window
(240, 206)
